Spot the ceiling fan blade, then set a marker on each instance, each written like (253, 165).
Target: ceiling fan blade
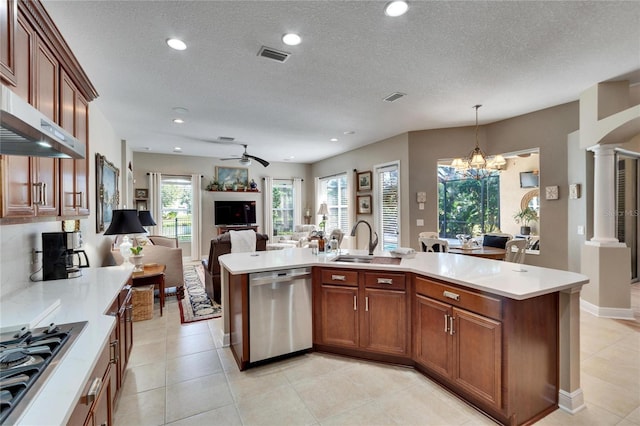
(258, 159)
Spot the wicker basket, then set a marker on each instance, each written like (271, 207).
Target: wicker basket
(142, 299)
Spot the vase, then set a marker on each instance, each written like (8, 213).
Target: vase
(136, 259)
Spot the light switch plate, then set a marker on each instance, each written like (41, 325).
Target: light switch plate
(419, 222)
(574, 191)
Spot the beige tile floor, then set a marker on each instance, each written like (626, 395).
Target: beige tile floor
(181, 375)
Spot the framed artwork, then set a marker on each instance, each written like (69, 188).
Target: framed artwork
(230, 176)
(141, 194)
(141, 205)
(364, 181)
(364, 204)
(107, 194)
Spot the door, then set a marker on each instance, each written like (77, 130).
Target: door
(387, 205)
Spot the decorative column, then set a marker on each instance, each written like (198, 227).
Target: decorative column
(604, 207)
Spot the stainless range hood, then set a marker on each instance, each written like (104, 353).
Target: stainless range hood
(26, 131)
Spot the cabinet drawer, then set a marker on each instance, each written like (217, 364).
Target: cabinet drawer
(484, 305)
(340, 277)
(384, 280)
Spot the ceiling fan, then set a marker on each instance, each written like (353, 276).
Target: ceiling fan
(245, 160)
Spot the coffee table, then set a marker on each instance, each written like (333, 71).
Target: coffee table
(152, 274)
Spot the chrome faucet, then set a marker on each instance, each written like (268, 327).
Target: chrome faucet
(372, 243)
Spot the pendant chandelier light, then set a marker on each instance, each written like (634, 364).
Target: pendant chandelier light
(476, 164)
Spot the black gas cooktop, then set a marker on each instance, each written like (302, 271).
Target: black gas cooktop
(27, 357)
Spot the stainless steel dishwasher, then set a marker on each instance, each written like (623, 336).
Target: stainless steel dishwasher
(279, 313)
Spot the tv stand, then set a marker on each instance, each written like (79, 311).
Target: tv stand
(226, 228)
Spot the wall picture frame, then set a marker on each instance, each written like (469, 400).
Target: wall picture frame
(230, 176)
(141, 194)
(107, 193)
(364, 181)
(364, 204)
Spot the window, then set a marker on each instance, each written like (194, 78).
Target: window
(283, 206)
(333, 191)
(388, 205)
(466, 205)
(176, 207)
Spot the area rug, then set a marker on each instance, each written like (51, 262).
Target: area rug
(196, 305)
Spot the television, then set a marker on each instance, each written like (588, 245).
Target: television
(234, 212)
(528, 179)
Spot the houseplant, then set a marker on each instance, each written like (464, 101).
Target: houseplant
(136, 258)
(525, 217)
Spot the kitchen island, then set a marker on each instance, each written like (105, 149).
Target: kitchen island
(502, 336)
(86, 298)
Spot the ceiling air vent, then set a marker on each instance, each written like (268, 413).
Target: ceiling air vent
(394, 96)
(276, 55)
(226, 139)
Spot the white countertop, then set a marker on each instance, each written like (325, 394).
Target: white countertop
(85, 298)
(502, 278)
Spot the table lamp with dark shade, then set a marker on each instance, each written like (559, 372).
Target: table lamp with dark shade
(124, 222)
(145, 218)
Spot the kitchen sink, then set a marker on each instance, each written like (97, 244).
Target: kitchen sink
(354, 258)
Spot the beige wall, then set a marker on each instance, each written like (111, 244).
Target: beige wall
(363, 159)
(546, 129)
(511, 194)
(206, 166)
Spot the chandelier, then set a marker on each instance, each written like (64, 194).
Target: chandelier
(476, 164)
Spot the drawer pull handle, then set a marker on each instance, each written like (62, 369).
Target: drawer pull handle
(385, 280)
(94, 390)
(338, 277)
(451, 295)
(355, 303)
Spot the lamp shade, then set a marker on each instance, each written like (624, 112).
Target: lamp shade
(125, 222)
(323, 210)
(145, 218)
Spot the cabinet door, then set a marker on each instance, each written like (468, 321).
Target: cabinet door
(73, 173)
(46, 185)
(433, 343)
(46, 81)
(384, 321)
(24, 43)
(478, 353)
(339, 316)
(18, 193)
(8, 11)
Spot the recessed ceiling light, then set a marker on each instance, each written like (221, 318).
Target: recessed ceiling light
(396, 8)
(291, 39)
(334, 139)
(178, 120)
(146, 148)
(349, 132)
(177, 149)
(176, 44)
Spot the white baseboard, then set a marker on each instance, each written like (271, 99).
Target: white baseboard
(571, 402)
(226, 340)
(615, 313)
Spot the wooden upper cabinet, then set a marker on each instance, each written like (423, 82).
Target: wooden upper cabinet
(74, 197)
(24, 46)
(46, 81)
(7, 40)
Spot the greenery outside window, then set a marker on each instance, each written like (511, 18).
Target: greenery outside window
(466, 205)
(283, 206)
(176, 207)
(333, 191)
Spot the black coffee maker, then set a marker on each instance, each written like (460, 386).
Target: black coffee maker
(62, 256)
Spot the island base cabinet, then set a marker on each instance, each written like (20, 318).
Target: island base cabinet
(339, 316)
(385, 321)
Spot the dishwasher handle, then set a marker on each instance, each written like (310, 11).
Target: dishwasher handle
(279, 278)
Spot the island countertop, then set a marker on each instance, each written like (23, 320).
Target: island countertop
(516, 281)
(86, 298)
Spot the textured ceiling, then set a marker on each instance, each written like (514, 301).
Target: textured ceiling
(512, 57)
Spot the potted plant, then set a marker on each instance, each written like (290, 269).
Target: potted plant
(525, 216)
(136, 258)
(213, 186)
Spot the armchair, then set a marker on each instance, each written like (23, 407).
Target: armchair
(300, 236)
(222, 245)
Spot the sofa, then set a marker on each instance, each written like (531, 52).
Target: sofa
(300, 237)
(159, 249)
(222, 245)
